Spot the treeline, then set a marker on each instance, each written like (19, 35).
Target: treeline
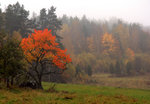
(16, 18)
(113, 46)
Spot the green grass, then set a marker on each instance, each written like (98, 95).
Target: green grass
(75, 94)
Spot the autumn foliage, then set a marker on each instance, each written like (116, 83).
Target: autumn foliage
(109, 44)
(42, 45)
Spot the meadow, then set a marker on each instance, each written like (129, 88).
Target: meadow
(137, 81)
(75, 94)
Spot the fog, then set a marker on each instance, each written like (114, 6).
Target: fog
(128, 10)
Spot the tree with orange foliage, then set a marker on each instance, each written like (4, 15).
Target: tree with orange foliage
(109, 45)
(40, 50)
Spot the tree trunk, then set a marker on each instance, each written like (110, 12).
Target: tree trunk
(39, 84)
(7, 82)
(12, 81)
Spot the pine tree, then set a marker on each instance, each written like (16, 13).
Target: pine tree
(51, 22)
(16, 19)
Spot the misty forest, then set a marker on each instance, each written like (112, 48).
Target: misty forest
(46, 59)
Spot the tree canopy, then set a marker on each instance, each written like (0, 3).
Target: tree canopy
(41, 48)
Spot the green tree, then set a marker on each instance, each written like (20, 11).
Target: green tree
(50, 21)
(17, 19)
(85, 63)
(11, 58)
(118, 68)
(2, 20)
(89, 70)
(138, 64)
(129, 68)
(78, 70)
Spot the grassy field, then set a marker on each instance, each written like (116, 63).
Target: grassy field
(75, 94)
(140, 82)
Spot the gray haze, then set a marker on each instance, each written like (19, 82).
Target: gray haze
(128, 10)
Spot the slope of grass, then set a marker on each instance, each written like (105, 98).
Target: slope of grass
(75, 94)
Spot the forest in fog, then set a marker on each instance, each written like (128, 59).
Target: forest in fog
(74, 52)
(110, 46)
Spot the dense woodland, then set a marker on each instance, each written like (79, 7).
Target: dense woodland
(114, 46)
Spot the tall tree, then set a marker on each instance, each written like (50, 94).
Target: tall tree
(50, 21)
(121, 34)
(43, 22)
(2, 20)
(17, 19)
(109, 45)
(65, 32)
(91, 46)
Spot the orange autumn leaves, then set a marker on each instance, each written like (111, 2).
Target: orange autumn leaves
(42, 45)
(111, 47)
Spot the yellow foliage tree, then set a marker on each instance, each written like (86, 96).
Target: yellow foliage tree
(109, 44)
(130, 54)
(90, 43)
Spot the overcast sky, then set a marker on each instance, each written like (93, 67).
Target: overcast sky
(128, 10)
